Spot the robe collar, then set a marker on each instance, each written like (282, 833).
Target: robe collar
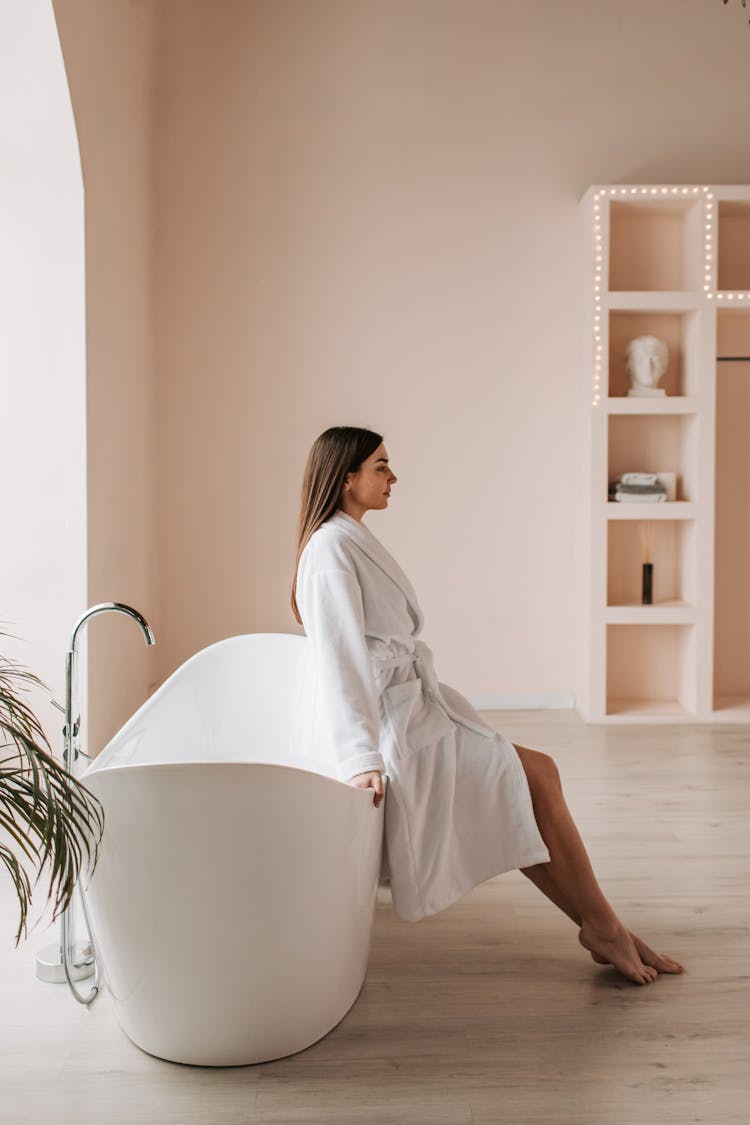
(376, 553)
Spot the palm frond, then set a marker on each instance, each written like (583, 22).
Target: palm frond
(54, 823)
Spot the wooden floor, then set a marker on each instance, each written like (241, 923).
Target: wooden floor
(491, 1011)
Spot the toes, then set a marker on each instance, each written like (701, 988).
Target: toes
(666, 964)
(671, 961)
(659, 961)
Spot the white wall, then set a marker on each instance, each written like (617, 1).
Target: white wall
(42, 355)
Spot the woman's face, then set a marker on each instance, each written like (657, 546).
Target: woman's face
(369, 487)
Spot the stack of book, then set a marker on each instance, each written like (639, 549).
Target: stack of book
(638, 488)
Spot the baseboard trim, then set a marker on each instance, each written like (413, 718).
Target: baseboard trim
(543, 702)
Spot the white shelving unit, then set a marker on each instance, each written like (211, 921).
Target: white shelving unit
(673, 261)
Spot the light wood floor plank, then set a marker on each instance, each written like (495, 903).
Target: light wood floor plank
(490, 1012)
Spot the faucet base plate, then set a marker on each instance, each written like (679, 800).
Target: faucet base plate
(49, 966)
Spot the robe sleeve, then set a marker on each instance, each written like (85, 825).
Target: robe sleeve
(347, 706)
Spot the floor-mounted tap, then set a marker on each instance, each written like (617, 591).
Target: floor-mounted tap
(67, 967)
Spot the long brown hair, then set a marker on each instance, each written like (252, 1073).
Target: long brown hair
(337, 452)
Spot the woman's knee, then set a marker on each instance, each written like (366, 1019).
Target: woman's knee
(540, 768)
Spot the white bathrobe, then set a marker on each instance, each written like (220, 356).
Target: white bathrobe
(457, 806)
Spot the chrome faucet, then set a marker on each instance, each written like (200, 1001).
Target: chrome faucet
(71, 729)
(72, 969)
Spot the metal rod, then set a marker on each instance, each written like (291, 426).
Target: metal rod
(72, 750)
(68, 936)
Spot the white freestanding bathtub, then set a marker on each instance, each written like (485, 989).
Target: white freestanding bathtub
(233, 899)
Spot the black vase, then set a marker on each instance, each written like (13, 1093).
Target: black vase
(647, 587)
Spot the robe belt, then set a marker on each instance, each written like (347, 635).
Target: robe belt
(421, 658)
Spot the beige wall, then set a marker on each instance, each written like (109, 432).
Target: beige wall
(109, 55)
(368, 214)
(365, 212)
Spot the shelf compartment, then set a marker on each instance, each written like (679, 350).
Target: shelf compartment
(647, 711)
(674, 404)
(678, 330)
(653, 244)
(732, 536)
(732, 709)
(641, 300)
(733, 259)
(671, 545)
(665, 613)
(649, 670)
(732, 332)
(654, 444)
(666, 510)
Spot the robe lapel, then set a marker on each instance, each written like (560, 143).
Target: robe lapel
(377, 554)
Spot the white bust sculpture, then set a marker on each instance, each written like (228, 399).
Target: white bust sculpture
(646, 361)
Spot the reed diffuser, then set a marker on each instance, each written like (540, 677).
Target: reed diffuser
(647, 576)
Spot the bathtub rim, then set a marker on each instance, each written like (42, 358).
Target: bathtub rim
(196, 656)
(228, 762)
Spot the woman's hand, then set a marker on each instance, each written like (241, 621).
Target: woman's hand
(371, 780)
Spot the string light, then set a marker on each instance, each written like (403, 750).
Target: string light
(598, 257)
(708, 243)
(708, 200)
(710, 291)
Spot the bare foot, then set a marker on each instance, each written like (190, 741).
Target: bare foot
(616, 947)
(658, 961)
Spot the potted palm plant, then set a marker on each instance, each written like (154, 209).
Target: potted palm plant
(49, 822)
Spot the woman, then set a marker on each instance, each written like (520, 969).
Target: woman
(463, 802)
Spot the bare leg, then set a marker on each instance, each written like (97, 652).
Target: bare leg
(568, 880)
(543, 880)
